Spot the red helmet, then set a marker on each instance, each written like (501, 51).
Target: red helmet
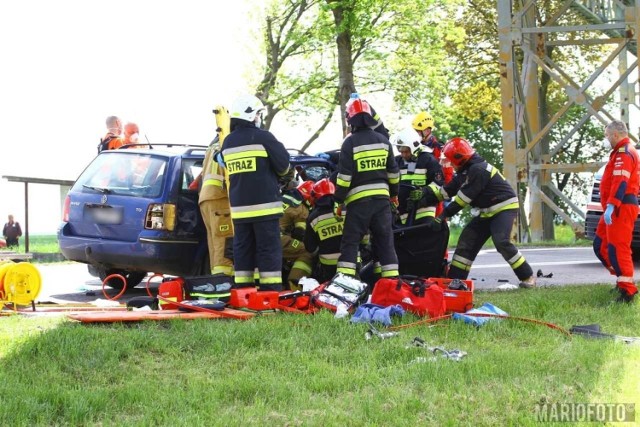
(357, 106)
(305, 188)
(323, 187)
(458, 151)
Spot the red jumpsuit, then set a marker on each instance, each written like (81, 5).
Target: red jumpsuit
(619, 187)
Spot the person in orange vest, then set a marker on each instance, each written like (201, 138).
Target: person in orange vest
(113, 138)
(619, 200)
(131, 134)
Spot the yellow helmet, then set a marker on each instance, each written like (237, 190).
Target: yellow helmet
(422, 121)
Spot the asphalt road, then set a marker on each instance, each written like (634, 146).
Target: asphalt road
(70, 282)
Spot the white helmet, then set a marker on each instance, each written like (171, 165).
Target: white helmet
(246, 107)
(408, 138)
(411, 139)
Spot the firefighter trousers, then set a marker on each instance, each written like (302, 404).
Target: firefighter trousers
(363, 216)
(293, 251)
(612, 245)
(474, 236)
(257, 244)
(217, 219)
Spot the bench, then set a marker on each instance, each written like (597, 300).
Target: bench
(14, 256)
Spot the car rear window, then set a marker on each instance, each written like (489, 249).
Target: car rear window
(132, 174)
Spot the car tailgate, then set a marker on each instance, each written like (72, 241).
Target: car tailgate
(107, 216)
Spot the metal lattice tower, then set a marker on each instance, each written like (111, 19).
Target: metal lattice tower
(524, 39)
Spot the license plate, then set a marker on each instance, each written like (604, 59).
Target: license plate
(106, 215)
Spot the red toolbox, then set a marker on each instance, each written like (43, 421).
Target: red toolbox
(459, 301)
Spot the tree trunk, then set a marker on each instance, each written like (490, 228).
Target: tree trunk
(346, 84)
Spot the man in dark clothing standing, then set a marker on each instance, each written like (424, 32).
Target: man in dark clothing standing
(367, 179)
(255, 159)
(11, 232)
(494, 206)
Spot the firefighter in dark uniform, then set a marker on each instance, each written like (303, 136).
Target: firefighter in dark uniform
(494, 205)
(324, 230)
(367, 180)
(255, 159)
(292, 229)
(418, 168)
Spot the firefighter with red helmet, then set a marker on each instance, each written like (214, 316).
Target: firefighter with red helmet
(254, 160)
(367, 180)
(619, 199)
(292, 230)
(324, 230)
(494, 205)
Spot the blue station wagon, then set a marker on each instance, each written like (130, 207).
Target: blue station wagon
(132, 212)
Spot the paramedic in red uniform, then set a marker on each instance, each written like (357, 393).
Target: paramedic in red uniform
(619, 199)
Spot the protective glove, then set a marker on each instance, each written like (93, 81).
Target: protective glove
(195, 184)
(218, 158)
(394, 201)
(608, 219)
(298, 233)
(323, 156)
(416, 195)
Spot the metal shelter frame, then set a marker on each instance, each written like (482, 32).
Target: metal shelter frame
(523, 38)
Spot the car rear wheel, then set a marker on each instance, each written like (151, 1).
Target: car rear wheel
(132, 278)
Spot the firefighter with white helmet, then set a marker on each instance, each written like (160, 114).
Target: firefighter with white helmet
(418, 168)
(255, 159)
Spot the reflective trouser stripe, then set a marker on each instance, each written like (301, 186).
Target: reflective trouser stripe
(516, 261)
(222, 269)
(270, 277)
(242, 277)
(329, 259)
(301, 265)
(345, 270)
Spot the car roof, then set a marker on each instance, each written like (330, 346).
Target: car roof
(165, 149)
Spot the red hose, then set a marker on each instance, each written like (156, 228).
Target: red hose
(124, 288)
(149, 281)
(500, 316)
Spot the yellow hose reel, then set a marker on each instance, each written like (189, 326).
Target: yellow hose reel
(20, 283)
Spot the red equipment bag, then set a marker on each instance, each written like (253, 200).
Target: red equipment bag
(418, 296)
(172, 290)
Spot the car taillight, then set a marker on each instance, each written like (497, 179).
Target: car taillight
(161, 217)
(65, 209)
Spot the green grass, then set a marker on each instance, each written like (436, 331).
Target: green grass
(564, 236)
(316, 370)
(44, 243)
